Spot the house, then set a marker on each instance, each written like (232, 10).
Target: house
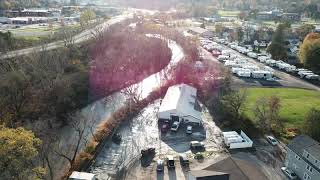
(180, 104)
(229, 168)
(200, 32)
(207, 175)
(303, 157)
(82, 176)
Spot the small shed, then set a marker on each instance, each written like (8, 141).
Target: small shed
(180, 104)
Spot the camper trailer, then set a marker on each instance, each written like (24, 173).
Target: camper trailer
(262, 74)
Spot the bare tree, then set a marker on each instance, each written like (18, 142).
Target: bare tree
(79, 139)
(261, 112)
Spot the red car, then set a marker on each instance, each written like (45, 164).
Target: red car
(216, 53)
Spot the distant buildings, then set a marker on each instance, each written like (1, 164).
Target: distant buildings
(277, 15)
(303, 157)
(200, 32)
(27, 13)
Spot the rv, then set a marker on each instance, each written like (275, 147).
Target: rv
(262, 74)
(223, 58)
(244, 73)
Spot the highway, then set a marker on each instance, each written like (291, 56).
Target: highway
(83, 36)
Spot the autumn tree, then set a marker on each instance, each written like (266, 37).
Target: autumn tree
(312, 124)
(233, 103)
(18, 149)
(86, 18)
(309, 52)
(14, 94)
(219, 29)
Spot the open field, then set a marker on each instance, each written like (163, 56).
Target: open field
(228, 13)
(295, 103)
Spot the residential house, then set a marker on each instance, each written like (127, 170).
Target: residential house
(303, 157)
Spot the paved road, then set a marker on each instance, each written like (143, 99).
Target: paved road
(83, 36)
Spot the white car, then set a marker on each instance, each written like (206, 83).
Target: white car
(175, 126)
(272, 140)
(289, 173)
(189, 129)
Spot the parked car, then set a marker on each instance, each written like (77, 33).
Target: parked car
(272, 140)
(165, 127)
(175, 126)
(160, 165)
(196, 145)
(189, 129)
(184, 160)
(148, 151)
(170, 161)
(289, 173)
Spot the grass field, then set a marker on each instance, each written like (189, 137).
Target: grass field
(295, 103)
(228, 13)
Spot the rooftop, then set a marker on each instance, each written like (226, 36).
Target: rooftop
(238, 169)
(182, 98)
(206, 173)
(81, 175)
(302, 142)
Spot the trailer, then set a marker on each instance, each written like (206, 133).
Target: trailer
(263, 58)
(233, 140)
(253, 55)
(235, 70)
(244, 73)
(231, 64)
(222, 58)
(304, 74)
(290, 68)
(262, 74)
(301, 73)
(312, 77)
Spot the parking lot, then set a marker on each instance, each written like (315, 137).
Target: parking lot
(143, 132)
(281, 78)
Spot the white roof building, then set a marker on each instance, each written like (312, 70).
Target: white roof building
(82, 176)
(179, 103)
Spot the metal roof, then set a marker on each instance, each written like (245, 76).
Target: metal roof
(300, 143)
(181, 98)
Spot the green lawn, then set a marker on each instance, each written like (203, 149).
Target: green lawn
(228, 13)
(295, 103)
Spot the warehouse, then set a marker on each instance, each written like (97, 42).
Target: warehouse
(180, 104)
